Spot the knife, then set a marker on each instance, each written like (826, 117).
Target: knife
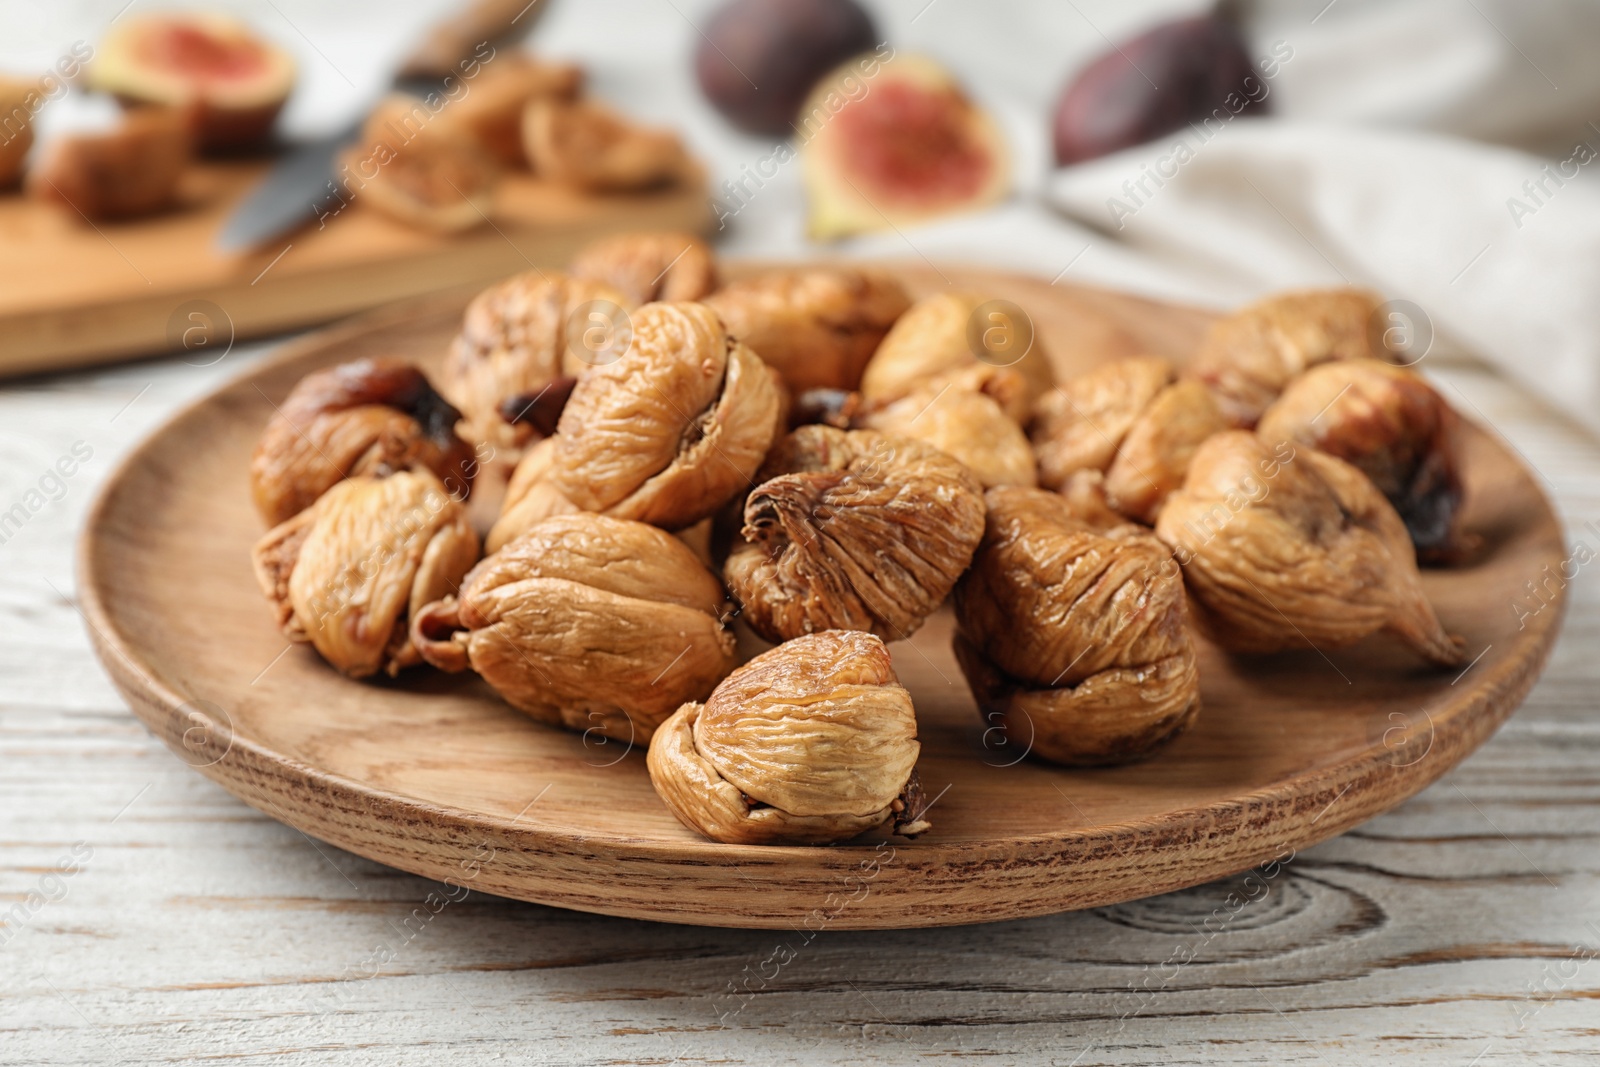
(299, 186)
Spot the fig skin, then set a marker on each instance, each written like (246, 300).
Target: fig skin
(645, 267)
(930, 346)
(132, 171)
(1287, 547)
(231, 80)
(912, 148)
(1075, 641)
(491, 111)
(673, 428)
(1160, 81)
(782, 46)
(348, 572)
(516, 339)
(588, 623)
(816, 327)
(1248, 357)
(1396, 429)
(970, 427)
(810, 743)
(589, 146)
(16, 129)
(367, 417)
(853, 530)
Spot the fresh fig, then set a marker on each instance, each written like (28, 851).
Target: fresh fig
(1177, 73)
(235, 81)
(757, 59)
(900, 147)
(131, 171)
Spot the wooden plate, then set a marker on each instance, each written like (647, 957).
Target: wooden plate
(435, 776)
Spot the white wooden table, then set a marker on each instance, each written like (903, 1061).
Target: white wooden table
(1459, 929)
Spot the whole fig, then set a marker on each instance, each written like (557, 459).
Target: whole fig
(757, 59)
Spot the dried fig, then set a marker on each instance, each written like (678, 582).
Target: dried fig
(1131, 421)
(1287, 547)
(1160, 81)
(519, 336)
(971, 427)
(649, 266)
(783, 44)
(817, 327)
(1075, 641)
(586, 622)
(418, 170)
(491, 111)
(348, 572)
(530, 497)
(673, 428)
(231, 79)
(966, 341)
(588, 146)
(367, 417)
(910, 148)
(17, 100)
(812, 742)
(131, 171)
(853, 530)
(1248, 357)
(1392, 426)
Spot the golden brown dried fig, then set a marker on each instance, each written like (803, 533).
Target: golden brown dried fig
(17, 105)
(419, 170)
(673, 428)
(348, 572)
(530, 497)
(589, 146)
(1391, 425)
(1075, 641)
(1248, 357)
(518, 337)
(972, 427)
(649, 266)
(812, 742)
(853, 530)
(1287, 547)
(966, 341)
(131, 171)
(366, 417)
(491, 111)
(817, 326)
(1132, 422)
(586, 622)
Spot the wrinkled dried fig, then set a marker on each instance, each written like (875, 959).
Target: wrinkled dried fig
(817, 327)
(18, 100)
(649, 266)
(586, 622)
(673, 428)
(131, 171)
(518, 337)
(367, 417)
(1287, 547)
(1248, 357)
(965, 341)
(232, 80)
(812, 742)
(491, 111)
(972, 427)
(588, 146)
(1131, 421)
(347, 573)
(853, 530)
(1391, 425)
(1075, 641)
(530, 497)
(418, 170)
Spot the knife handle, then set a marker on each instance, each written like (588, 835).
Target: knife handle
(453, 40)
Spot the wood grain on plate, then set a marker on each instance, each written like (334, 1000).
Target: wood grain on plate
(427, 773)
(74, 294)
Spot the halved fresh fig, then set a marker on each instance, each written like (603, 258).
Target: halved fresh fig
(16, 128)
(131, 171)
(417, 169)
(902, 148)
(235, 80)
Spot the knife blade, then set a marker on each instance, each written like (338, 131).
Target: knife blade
(300, 186)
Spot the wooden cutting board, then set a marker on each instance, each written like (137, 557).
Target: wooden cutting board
(75, 293)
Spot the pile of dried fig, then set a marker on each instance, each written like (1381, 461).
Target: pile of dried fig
(809, 458)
